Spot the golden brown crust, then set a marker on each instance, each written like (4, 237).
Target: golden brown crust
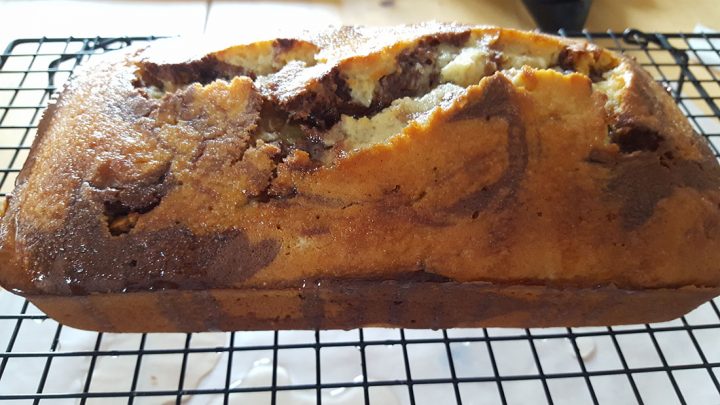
(537, 177)
(349, 305)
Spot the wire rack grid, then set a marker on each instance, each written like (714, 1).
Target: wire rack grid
(41, 361)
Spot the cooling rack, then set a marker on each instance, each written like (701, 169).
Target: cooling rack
(41, 361)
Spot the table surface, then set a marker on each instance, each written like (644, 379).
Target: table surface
(135, 17)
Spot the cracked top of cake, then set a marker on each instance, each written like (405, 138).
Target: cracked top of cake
(434, 152)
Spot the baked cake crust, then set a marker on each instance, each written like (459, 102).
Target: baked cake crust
(426, 176)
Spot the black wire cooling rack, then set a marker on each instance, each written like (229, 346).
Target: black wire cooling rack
(676, 362)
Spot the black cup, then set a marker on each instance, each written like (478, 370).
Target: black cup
(551, 15)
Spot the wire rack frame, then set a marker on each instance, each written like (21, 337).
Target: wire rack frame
(688, 65)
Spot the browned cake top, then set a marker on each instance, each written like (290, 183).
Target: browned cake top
(431, 153)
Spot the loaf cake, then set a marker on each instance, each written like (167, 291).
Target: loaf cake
(424, 176)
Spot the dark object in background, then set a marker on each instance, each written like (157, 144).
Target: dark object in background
(551, 15)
